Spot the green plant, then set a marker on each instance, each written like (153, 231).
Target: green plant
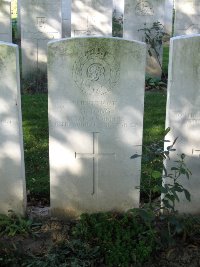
(123, 239)
(167, 183)
(153, 83)
(117, 22)
(172, 186)
(73, 253)
(14, 224)
(153, 36)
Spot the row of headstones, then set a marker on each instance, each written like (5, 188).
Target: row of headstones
(42, 21)
(95, 106)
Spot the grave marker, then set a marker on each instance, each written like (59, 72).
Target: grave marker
(169, 5)
(5, 21)
(91, 18)
(183, 115)
(139, 14)
(187, 14)
(66, 18)
(12, 175)
(96, 95)
(40, 22)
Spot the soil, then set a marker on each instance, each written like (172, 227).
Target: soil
(51, 231)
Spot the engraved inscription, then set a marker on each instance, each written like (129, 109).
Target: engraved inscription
(144, 8)
(90, 28)
(41, 22)
(95, 156)
(191, 118)
(92, 113)
(96, 71)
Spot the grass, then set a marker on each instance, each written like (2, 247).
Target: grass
(35, 127)
(165, 58)
(154, 116)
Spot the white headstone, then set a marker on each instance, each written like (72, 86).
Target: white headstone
(183, 112)
(118, 6)
(66, 18)
(18, 19)
(41, 22)
(5, 21)
(187, 14)
(169, 5)
(91, 18)
(12, 178)
(96, 95)
(139, 14)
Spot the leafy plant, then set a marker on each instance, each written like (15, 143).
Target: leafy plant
(117, 22)
(153, 36)
(14, 224)
(74, 253)
(166, 183)
(153, 83)
(123, 239)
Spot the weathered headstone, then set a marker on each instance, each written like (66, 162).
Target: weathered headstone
(183, 113)
(96, 94)
(139, 14)
(41, 21)
(91, 18)
(12, 175)
(5, 21)
(187, 17)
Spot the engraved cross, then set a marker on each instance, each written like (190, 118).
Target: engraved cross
(95, 156)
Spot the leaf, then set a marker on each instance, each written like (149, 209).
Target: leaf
(187, 195)
(156, 174)
(163, 190)
(135, 156)
(166, 131)
(182, 156)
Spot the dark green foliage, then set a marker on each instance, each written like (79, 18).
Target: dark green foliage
(117, 25)
(14, 31)
(74, 253)
(123, 239)
(35, 82)
(14, 224)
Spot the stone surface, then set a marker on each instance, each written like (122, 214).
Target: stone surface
(66, 18)
(183, 113)
(5, 21)
(169, 5)
(12, 178)
(40, 22)
(91, 18)
(187, 17)
(118, 6)
(96, 95)
(139, 14)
